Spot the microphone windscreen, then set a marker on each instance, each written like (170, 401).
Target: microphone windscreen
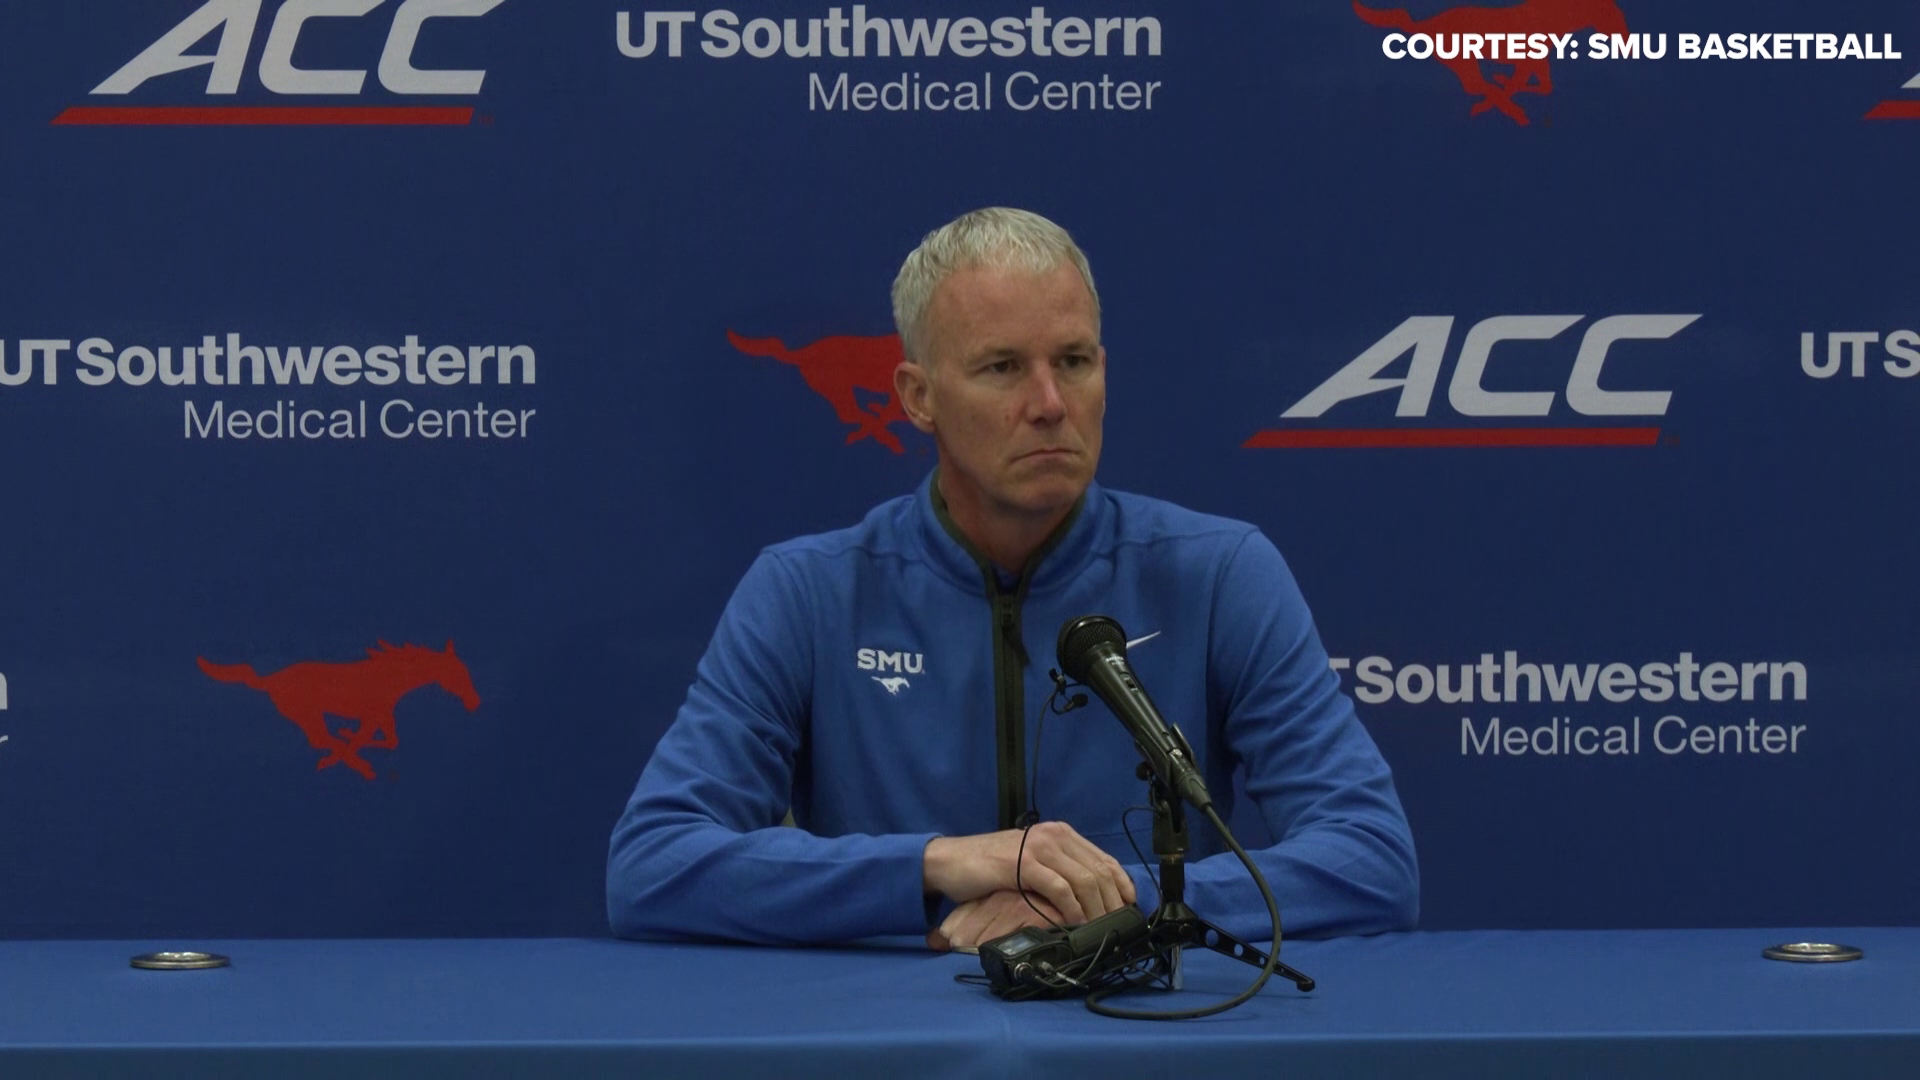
(1079, 637)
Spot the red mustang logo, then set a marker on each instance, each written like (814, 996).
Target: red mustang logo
(1496, 91)
(837, 368)
(365, 690)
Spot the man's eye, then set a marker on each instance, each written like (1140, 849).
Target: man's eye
(1003, 367)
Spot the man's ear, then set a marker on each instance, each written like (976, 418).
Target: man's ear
(914, 390)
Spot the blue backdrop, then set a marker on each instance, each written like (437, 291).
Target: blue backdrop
(1292, 196)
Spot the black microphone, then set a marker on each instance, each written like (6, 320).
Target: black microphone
(1093, 650)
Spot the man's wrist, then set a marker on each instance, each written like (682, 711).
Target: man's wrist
(933, 865)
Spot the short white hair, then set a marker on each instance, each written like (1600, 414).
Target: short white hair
(996, 236)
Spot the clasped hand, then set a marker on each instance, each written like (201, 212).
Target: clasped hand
(1067, 877)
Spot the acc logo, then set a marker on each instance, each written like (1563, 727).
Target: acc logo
(365, 691)
(1426, 337)
(235, 22)
(1531, 72)
(854, 374)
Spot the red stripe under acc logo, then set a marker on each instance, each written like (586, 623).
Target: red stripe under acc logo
(1895, 110)
(266, 115)
(1396, 438)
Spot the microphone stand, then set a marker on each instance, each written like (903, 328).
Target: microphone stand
(1174, 924)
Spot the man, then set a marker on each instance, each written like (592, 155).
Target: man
(883, 682)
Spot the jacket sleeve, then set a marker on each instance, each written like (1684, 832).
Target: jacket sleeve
(1344, 862)
(700, 851)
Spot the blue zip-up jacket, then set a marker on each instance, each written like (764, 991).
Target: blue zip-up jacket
(852, 679)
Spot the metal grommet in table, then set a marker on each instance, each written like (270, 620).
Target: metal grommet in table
(1812, 952)
(179, 961)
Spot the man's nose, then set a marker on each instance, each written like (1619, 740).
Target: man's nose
(1045, 402)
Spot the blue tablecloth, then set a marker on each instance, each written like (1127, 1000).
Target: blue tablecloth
(1476, 1004)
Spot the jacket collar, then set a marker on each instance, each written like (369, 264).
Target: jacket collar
(1058, 559)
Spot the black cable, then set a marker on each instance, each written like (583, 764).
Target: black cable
(1093, 962)
(1095, 999)
(1033, 806)
(1141, 972)
(1135, 845)
(1021, 857)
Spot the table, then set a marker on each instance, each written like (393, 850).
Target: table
(1466, 1004)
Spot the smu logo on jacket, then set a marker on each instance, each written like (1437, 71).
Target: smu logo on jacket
(893, 666)
(231, 25)
(313, 694)
(853, 374)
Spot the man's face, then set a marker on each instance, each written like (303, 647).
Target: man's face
(1013, 389)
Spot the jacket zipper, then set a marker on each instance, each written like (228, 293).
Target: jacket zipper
(1009, 658)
